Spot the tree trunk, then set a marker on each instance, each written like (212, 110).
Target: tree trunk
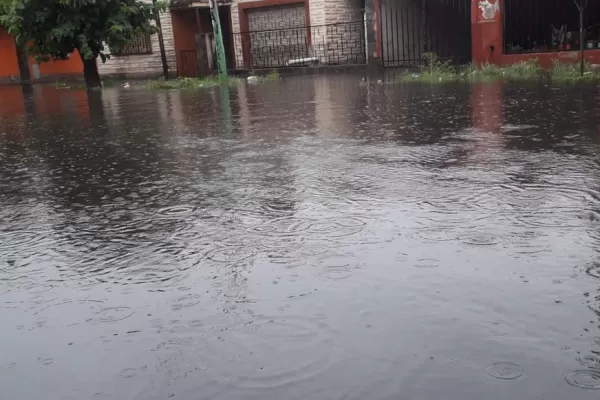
(90, 73)
(23, 62)
(161, 45)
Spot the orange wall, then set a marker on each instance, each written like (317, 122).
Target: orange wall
(53, 101)
(9, 65)
(545, 59)
(11, 101)
(8, 56)
(184, 32)
(72, 66)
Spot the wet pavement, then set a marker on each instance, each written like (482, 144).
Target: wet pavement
(315, 238)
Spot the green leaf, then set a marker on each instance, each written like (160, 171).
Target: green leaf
(57, 27)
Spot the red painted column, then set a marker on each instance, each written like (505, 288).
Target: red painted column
(486, 31)
(487, 110)
(378, 28)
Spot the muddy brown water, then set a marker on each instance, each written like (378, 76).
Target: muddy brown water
(316, 238)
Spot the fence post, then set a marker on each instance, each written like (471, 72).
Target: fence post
(581, 7)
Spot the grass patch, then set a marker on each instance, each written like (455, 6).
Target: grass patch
(272, 76)
(189, 83)
(571, 73)
(433, 71)
(438, 71)
(524, 70)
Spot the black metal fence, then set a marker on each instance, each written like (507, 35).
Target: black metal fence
(410, 28)
(333, 44)
(536, 26)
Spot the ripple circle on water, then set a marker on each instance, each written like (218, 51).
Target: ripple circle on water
(480, 239)
(585, 379)
(593, 270)
(176, 211)
(506, 371)
(271, 352)
(426, 263)
(592, 361)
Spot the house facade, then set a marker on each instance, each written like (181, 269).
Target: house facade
(9, 66)
(505, 32)
(270, 33)
(141, 57)
(500, 32)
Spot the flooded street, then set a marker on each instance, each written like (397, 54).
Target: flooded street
(314, 238)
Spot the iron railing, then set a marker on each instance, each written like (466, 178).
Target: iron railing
(138, 44)
(175, 4)
(537, 26)
(333, 44)
(410, 28)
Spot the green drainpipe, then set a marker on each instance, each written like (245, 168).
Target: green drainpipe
(216, 22)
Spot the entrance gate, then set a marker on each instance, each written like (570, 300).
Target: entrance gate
(410, 28)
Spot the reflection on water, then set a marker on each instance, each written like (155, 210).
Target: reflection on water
(314, 238)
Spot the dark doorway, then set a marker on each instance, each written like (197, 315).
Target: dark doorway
(225, 17)
(410, 28)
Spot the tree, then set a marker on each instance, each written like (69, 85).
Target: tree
(56, 28)
(20, 48)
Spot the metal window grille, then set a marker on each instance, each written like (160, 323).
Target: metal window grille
(537, 26)
(296, 46)
(139, 44)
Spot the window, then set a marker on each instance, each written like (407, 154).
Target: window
(138, 44)
(549, 25)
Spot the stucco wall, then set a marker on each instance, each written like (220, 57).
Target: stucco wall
(342, 11)
(9, 67)
(147, 64)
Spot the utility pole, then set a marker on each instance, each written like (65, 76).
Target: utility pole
(216, 22)
(161, 43)
(581, 6)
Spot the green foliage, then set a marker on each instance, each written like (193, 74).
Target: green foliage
(58, 27)
(434, 65)
(571, 73)
(271, 76)
(434, 70)
(189, 83)
(523, 70)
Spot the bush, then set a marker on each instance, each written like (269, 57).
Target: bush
(436, 71)
(571, 73)
(433, 70)
(523, 70)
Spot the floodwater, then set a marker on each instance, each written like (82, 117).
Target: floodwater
(316, 238)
